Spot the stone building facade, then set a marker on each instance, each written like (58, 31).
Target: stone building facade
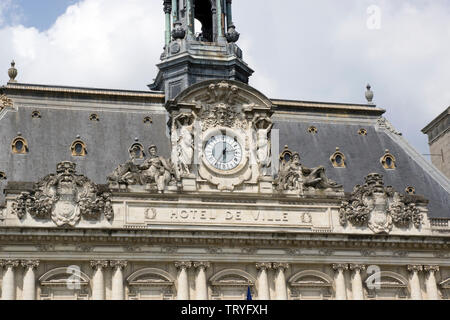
(438, 132)
(204, 187)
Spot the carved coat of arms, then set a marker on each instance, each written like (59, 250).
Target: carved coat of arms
(378, 207)
(64, 197)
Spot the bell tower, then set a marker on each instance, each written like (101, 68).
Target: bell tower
(191, 56)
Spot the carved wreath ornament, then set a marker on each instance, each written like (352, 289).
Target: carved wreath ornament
(64, 197)
(379, 207)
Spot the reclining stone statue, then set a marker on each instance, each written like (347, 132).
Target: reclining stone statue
(293, 174)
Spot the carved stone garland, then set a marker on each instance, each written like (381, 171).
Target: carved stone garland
(379, 207)
(64, 197)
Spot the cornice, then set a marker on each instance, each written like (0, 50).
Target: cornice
(22, 236)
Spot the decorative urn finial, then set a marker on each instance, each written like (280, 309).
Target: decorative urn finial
(369, 94)
(232, 35)
(12, 73)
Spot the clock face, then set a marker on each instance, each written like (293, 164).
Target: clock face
(223, 152)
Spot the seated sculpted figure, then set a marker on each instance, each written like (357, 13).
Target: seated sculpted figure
(127, 173)
(155, 169)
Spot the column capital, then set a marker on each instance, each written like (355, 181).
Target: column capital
(415, 268)
(31, 264)
(280, 266)
(340, 267)
(357, 267)
(167, 6)
(201, 265)
(431, 268)
(116, 264)
(99, 264)
(9, 263)
(263, 265)
(183, 265)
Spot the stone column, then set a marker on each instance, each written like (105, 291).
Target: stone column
(118, 292)
(229, 14)
(167, 12)
(29, 280)
(182, 280)
(190, 18)
(174, 11)
(357, 286)
(9, 283)
(201, 287)
(280, 280)
(263, 281)
(220, 33)
(414, 282)
(339, 280)
(430, 282)
(98, 280)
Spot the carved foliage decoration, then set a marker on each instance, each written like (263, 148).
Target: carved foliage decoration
(378, 207)
(64, 197)
(220, 107)
(5, 102)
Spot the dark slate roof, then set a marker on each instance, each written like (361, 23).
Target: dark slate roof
(50, 137)
(109, 139)
(363, 155)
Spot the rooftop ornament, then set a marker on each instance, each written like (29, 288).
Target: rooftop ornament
(369, 94)
(12, 73)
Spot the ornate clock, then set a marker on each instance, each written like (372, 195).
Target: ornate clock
(223, 152)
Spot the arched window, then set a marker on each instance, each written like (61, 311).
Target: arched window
(338, 159)
(36, 114)
(312, 130)
(232, 284)
(94, 117)
(78, 148)
(19, 146)
(137, 151)
(388, 161)
(65, 283)
(148, 120)
(445, 289)
(151, 284)
(311, 285)
(204, 16)
(387, 285)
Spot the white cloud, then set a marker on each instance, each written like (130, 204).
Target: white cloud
(304, 50)
(100, 43)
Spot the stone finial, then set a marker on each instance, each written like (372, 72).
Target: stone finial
(12, 73)
(369, 94)
(232, 35)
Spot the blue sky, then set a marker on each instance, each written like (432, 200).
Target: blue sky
(40, 14)
(320, 50)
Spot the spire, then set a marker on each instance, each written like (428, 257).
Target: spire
(190, 55)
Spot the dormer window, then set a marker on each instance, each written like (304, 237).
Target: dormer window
(338, 159)
(362, 132)
(137, 151)
(19, 146)
(94, 117)
(78, 148)
(312, 130)
(410, 190)
(36, 114)
(148, 120)
(388, 160)
(2, 175)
